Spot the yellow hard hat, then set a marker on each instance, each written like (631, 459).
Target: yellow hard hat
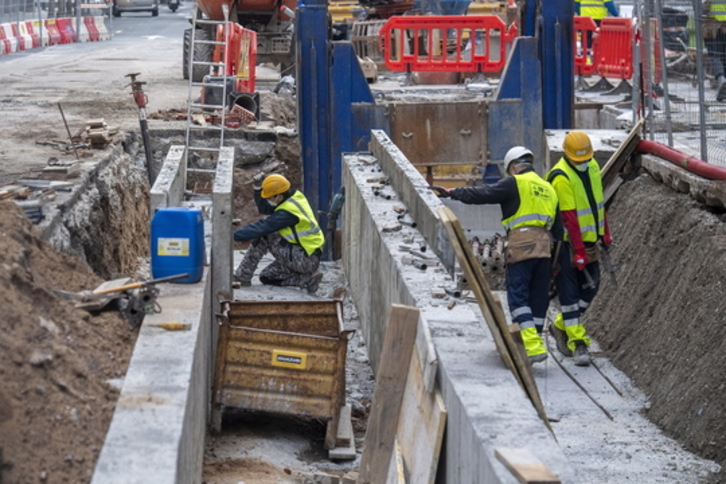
(274, 185)
(577, 146)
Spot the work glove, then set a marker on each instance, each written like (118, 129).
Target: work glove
(257, 180)
(440, 192)
(607, 240)
(580, 259)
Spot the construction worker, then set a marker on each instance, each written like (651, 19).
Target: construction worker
(714, 36)
(576, 179)
(529, 212)
(290, 232)
(596, 9)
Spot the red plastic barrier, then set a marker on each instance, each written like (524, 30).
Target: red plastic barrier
(21, 39)
(67, 32)
(444, 43)
(240, 55)
(614, 48)
(583, 28)
(28, 26)
(54, 35)
(93, 33)
(7, 46)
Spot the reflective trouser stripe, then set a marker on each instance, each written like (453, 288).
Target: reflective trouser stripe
(521, 311)
(526, 324)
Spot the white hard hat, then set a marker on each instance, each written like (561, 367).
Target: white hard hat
(517, 153)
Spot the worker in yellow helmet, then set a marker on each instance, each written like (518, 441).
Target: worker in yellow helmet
(529, 212)
(576, 179)
(291, 233)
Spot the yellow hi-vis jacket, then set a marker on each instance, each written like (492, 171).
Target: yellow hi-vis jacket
(537, 203)
(572, 195)
(306, 232)
(717, 10)
(593, 8)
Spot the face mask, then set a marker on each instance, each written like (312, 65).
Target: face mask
(582, 167)
(274, 204)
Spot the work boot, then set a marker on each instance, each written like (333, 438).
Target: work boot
(537, 358)
(582, 356)
(720, 89)
(312, 285)
(241, 279)
(560, 338)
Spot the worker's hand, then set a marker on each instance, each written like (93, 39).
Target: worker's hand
(440, 192)
(580, 259)
(257, 180)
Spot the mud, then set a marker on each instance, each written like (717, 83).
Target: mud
(663, 324)
(56, 361)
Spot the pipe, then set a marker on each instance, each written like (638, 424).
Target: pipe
(690, 163)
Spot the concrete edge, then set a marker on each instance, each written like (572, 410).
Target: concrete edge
(485, 405)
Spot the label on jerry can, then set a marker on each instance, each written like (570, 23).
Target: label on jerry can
(173, 247)
(289, 359)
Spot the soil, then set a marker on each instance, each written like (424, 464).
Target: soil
(56, 401)
(663, 324)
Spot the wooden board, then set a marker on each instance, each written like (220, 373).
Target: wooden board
(612, 168)
(421, 427)
(525, 466)
(398, 346)
(493, 314)
(427, 355)
(344, 441)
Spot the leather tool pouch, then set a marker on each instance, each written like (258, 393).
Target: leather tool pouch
(524, 243)
(593, 252)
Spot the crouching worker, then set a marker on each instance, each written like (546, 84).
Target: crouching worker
(291, 233)
(529, 213)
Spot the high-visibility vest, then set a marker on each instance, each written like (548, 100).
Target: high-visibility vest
(590, 216)
(537, 203)
(593, 8)
(717, 10)
(306, 232)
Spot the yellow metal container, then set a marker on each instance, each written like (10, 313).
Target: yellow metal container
(282, 357)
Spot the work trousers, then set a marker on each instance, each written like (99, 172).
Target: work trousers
(716, 48)
(573, 288)
(528, 284)
(292, 265)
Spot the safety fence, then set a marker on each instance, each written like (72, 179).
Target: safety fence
(30, 34)
(453, 43)
(240, 57)
(676, 61)
(27, 24)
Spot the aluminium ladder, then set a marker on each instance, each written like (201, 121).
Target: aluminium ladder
(206, 140)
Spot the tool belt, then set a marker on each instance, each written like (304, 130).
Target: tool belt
(524, 243)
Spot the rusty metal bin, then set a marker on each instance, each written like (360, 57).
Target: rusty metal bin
(283, 357)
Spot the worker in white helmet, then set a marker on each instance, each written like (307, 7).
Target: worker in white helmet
(291, 233)
(529, 213)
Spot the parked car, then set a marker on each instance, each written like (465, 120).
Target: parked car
(120, 6)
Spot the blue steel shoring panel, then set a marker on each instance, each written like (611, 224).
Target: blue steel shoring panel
(313, 87)
(558, 79)
(348, 86)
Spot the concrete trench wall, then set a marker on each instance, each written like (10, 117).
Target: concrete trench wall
(486, 407)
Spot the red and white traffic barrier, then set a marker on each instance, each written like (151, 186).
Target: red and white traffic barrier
(10, 37)
(90, 24)
(54, 35)
(67, 32)
(100, 23)
(32, 40)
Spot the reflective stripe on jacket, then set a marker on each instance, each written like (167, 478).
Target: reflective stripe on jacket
(717, 10)
(593, 8)
(537, 203)
(572, 195)
(306, 232)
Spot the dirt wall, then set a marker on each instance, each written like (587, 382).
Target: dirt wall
(664, 324)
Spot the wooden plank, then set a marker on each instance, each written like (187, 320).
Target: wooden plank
(421, 428)
(396, 469)
(398, 346)
(610, 170)
(525, 466)
(478, 285)
(428, 360)
(493, 314)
